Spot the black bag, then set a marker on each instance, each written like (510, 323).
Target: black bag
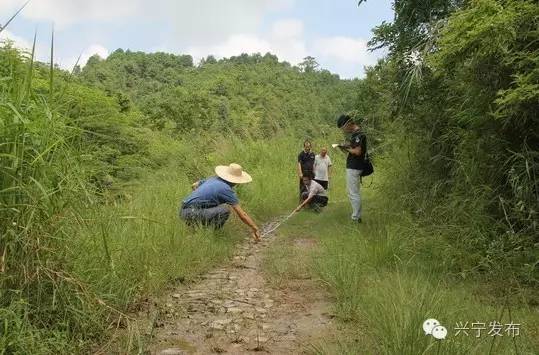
(368, 169)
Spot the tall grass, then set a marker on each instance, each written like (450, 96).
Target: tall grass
(388, 281)
(38, 180)
(273, 166)
(73, 260)
(130, 250)
(390, 274)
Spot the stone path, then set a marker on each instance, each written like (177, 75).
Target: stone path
(234, 310)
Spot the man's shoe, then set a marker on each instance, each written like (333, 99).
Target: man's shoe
(357, 220)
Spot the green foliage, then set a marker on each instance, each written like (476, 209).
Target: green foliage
(93, 167)
(40, 177)
(465, 116)
(390, 276)
(308, 65)
(413, 23)
(248, 94)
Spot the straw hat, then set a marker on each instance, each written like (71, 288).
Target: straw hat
(233, 173)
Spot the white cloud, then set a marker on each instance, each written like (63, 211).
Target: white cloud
(98, 49)
(345, 55)
(288, 41)
(207, 21)
(19, 42)
(285, 40)
(43, 53)
(67, 12)
(288, 28)
(344, 49)
(194, 18)
(200, 28)
(91, 50)
(234, 45)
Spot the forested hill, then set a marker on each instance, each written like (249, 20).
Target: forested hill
(239, 93)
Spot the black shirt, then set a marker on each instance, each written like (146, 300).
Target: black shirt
(357, 162)
(306, 159)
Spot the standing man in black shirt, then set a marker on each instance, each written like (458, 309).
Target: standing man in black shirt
(305, 165)
(356, 147)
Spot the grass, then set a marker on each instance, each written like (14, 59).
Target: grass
(284, 262)
(388, 276)
(71, 264)
(137, 246)
(131, 250)
(89, 262)
(72, 260)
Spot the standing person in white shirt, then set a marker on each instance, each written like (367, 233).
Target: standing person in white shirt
(322, 163)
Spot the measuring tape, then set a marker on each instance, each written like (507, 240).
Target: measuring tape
(274, 228)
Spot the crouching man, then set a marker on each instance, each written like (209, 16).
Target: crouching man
(314, 197)
(210, 202)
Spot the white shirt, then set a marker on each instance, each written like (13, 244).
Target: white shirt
(321, 167)
(316, 189)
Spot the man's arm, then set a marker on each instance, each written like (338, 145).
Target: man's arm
(344, 147)
(356, 146)
(195, 185)
(245, 218)
(330, 164)
(300, 171)
(307, 200)
(350, 148)
(355, 151)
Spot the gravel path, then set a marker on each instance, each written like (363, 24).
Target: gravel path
(234, 310)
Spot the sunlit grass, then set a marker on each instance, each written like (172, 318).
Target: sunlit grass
(388, 276)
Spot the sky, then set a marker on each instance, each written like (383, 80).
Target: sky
(335, 32)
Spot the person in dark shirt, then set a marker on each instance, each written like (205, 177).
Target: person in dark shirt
(356, 147)
(305, 164)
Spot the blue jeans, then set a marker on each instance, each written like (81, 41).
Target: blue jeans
(212, 217)
(354, 194)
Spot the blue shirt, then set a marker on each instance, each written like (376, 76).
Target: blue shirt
(211, 192)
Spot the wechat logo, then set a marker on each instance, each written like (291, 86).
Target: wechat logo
(433, 327)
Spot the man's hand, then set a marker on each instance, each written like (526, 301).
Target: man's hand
(299, 207)
(300, 170)
(355, 151)
(256, 235)
(245, 218)
(303, 204)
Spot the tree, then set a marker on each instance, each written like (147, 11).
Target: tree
(210, 60)
(308, 65)
(76, 69)
(468, 111)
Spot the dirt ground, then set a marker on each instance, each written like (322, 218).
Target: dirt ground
(234, 309)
